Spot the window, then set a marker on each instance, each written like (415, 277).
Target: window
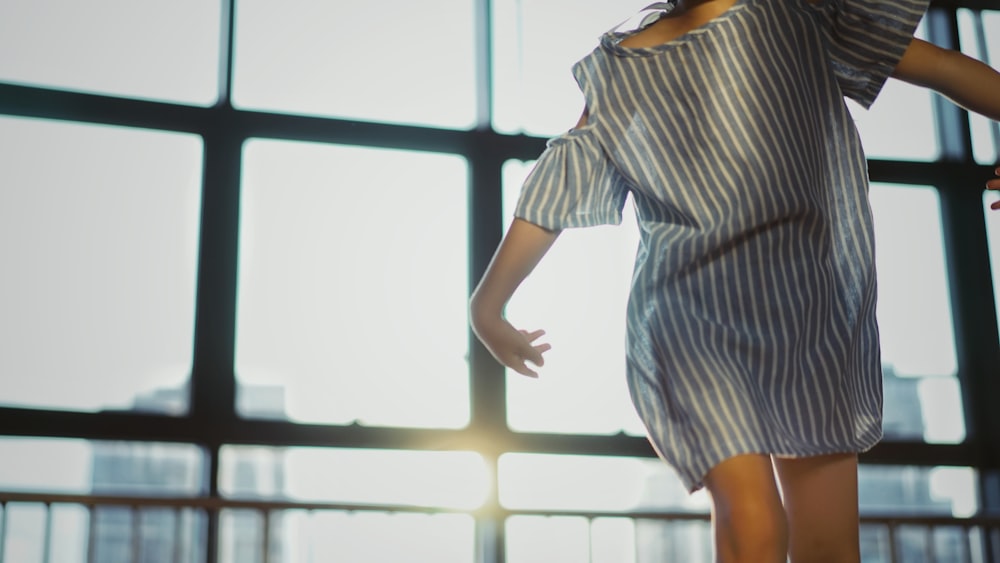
(993, 238)
(353, 285)
(578, 296)
(456, 479)
(922, 395)
(100, 468)
(900, 124)
(98, 237)
(389, 61)
(534, 46)
(160, 51)
(370, 477)
(977, 43)
(573, 485)
(598, 483)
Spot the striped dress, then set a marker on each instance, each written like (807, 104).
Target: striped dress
(751, 318)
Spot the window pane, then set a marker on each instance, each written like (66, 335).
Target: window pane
(390, 61)
(539, 539)
(598, 483)
(942, 491)
(353, 284)
(98, 237)
(900, 124)
(533, 90)
(452, 479)
(949, 491)
(977, 43)
(349, 536)
(101, 468)
(582, 387)
(918, 342)
(576, 482)
(993, 239)
(446, 479)
(613, 484)
(433, 479)
(166, 532)
(583, 483)
(163, 51)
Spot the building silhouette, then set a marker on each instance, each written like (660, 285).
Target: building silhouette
(157, 535)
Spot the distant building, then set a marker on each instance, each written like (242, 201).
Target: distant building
(903, 416)
(121, 535)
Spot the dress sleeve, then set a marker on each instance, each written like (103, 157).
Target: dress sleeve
(867, 38)
(573, 184)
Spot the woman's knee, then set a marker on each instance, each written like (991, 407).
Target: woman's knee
(750, 521)
(753, 518)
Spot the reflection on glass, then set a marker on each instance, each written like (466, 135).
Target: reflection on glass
(389, 61)
(353, 284)
(534, 46)
(162, 51)
(451, 479)
(978, 44)
(98, 238)
(578, 295)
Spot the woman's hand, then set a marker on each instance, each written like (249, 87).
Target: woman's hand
(511, 347)
(520, 250)
(994, 184)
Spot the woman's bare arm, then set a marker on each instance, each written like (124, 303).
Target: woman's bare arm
(969, 83)
(522, 248)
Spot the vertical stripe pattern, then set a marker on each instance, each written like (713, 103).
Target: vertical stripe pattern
(751, 321)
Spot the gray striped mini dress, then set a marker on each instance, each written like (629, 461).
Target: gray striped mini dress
(751, 318)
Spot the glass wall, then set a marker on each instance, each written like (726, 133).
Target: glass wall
(167, 52)
(98, 237)
(390, 61)
(238, 242)
(111, 533)
(353, 284)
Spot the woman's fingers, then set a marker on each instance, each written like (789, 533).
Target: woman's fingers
(523, 369)
(533, 335)
(531, 353)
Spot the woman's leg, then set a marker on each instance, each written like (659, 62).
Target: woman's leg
(821, 500)
(747, 516)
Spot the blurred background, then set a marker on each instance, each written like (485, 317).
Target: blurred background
(237, 239)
